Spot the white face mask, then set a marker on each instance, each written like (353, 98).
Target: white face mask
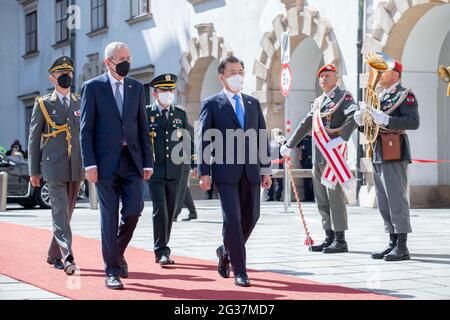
(236, 82)
(166, 98)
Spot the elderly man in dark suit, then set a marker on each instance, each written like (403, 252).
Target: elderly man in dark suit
(238, 167)
(116, 154)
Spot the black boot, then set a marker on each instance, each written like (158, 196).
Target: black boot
(400, 251)
(328, 240)
(339, 244)
(392, 242)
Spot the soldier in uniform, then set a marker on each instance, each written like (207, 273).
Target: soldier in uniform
(54, 156)
(391, 156)
(336, 109)
(168, 130)
(184, 196)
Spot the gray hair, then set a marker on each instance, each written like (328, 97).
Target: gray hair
(111, 48)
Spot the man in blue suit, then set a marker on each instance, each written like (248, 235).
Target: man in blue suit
(116, 154)
(234, 151)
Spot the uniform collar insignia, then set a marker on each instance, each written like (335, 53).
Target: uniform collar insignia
(54, 97)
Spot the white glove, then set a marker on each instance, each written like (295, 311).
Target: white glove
(284, 150)
(380, 117)
(358, 115)
(334, 143)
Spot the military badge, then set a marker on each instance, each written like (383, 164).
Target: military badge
(168, 77)
(177, 121)
(77, 113)
(328, 121)
(332, 95)
(152, 119)
(178, 134)
(410, 100)
(348, 98)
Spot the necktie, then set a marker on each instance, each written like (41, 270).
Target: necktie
(65, 104)
(164, 118)
(118, 97)
(239, 111)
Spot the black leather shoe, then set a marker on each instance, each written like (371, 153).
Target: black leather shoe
(329, 238)
(57, 263)
(190, 217)
(69, 267)
(400, 251)
(339, 244)
(242, 280)
(165, 260)
(223, 266)
(390, 247)
(123, 268)
(113, 282)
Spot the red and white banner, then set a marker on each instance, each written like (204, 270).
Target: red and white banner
(337, 169)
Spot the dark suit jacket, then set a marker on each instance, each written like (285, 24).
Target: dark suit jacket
(217, 113)
(103, 130)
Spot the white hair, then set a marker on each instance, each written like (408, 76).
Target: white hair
(111, 48)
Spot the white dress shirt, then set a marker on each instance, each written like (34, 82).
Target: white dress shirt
(230, 96)
(60, 96)
(113, 82)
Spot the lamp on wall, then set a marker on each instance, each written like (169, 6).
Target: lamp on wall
(444, 74)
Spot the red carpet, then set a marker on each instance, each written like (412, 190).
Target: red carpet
(24, 249)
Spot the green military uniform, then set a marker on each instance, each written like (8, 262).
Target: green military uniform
(390, 176)
(168, 135)
(184, 196)
(330, 203)
(54, 154)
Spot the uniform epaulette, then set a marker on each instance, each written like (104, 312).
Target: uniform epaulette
(75, 96)
(348, 96)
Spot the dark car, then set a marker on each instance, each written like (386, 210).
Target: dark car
(20, 189)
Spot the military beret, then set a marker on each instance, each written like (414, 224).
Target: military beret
(164, 81)
(398, 67)
(327, 67)
(63, 63)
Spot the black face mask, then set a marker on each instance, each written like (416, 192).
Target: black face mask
(65, 81)
(122, 68)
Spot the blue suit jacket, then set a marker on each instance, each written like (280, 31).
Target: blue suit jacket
(218, 113)
(103, 130)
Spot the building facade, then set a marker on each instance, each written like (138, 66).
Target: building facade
(190, 37)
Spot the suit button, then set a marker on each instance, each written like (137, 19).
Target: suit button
(167, 140)
(167, 155)
(167, 148)
(48, 159)
(167, 132)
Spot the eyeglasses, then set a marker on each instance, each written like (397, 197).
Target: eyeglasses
(122, 59)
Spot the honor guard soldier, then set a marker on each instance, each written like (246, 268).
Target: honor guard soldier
(54, 157)
(331, 125)
(391, 156)
(168, 136)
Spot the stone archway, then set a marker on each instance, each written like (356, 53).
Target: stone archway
(418, 34)
(393, 22)
(196, 65)
(303, 22)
